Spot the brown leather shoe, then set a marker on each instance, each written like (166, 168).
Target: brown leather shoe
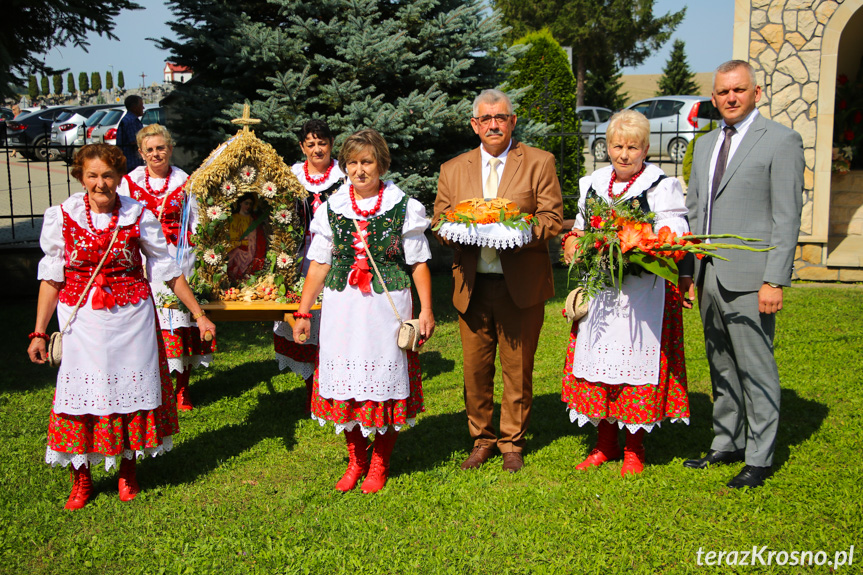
(478, 456)
(512, 461)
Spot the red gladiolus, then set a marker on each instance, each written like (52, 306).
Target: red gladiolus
(849, 135)
(631, 235)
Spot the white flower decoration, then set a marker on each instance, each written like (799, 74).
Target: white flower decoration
(283, 260)
(214, 212)
(269, 189)
(247, 174)
(283, 216)
(228, 188)
(212, 257)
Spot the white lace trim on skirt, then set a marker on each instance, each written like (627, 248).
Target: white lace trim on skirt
(54, 458)
(583, 419)
(181, 364)
(301, 368)
(367, 431)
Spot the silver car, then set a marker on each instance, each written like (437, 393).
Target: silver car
(106, 131)
(68, 125)
(674, 121)
(591, 117)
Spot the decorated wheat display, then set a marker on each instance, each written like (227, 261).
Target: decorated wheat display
(248, 232)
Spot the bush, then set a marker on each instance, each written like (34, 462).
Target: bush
(687, 158)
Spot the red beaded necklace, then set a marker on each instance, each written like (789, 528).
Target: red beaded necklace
(115, 216)
(371, 212)
(147, 182)
(628, 185)
(316, 181)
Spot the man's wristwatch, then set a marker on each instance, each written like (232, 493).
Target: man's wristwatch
(773, 285)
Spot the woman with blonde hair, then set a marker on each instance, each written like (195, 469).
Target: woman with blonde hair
(625, 365)
(161, 188)
(364, 383)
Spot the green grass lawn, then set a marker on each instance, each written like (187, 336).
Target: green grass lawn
(248, 487)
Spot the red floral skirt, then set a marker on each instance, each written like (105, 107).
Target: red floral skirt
(305, 353)
(635, 405)
(373, 414)
(107, 436)
(186, 342)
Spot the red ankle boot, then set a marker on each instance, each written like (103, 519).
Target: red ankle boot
(183, 401)
(380, 466)
(82, 488)
(128, 483)
(358, 459)
(607, 448)
(633, 453)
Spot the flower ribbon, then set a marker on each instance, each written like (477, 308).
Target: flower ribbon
(101, 297)
(360, 275)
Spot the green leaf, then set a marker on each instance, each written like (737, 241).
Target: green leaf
(664, 267)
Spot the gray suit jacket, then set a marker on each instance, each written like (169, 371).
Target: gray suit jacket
(760, 196)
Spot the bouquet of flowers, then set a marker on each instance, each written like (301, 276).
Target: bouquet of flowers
(619, 240)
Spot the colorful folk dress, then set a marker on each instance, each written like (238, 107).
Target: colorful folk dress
(625, 360)
(301, 359)
(363, 378)
(114, 395)
(168, 202)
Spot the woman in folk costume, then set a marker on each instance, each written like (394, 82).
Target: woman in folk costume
(320, 176)
(114, 396)
(161, 188)
(365, 384)
(625, 366)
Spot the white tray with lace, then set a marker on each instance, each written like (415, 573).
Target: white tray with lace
(496, 235)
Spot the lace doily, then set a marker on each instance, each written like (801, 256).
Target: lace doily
(181, 364)
(303, 369)
(495, 235)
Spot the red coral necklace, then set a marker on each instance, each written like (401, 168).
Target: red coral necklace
(147, 182)
(614, 196)
(320, 180)
(115, 215)
(371, 212)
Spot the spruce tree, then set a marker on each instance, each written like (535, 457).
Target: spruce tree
(109, 80)
(677, 79)
(405, 68)
(83, 82)
(549, 97)
(70, 83)
(58, 84)
(96, 81)
(32, 88)
(121, 82)
(603, 85)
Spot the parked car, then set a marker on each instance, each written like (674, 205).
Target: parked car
(32, 132)
(107, 130)
(6, 114)
(591, 117)
(674, 120)
(85, 131)
(64, 131)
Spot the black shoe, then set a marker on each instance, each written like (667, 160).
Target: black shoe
(714, 457)
(751, 476)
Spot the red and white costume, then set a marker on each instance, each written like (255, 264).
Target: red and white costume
(114, 394)
(183, 343)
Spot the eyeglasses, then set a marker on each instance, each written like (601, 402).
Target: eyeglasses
(499, 118)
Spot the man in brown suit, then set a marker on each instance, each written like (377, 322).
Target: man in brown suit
(500, 294)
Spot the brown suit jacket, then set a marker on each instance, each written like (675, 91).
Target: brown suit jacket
(530, 180)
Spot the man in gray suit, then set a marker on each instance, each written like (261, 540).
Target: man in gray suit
(747, 179)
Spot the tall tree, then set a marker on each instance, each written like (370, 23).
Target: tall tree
(35, 27)
(121, 81)
(70, 83)
(32, 88)
(594, 28)
(109, 80)
(677, 78)
(43, 83)
(603, 85)
(544, 73)
(96, 81)
(58, 84)
(83, 82)
(404, 67)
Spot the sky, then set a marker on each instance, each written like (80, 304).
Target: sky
(707, 31)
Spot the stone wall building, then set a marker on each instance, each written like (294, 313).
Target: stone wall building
(799, 48)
